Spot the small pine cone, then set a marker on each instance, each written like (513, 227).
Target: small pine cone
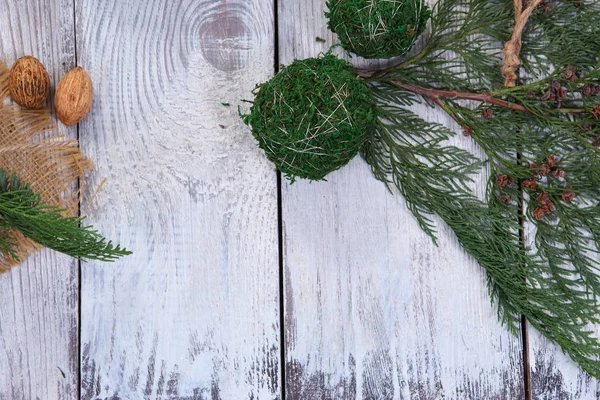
(542, 198)
(539, 213)
(503, 181)
(568, 196)
(558, 173)
(534, 168)
(548, 207)
(506, 199)
(543, 170)
(596, 142)
(556, 85)
(467, 131)
(552, 161)
(487, 113)
(570, 74)
(549, 95)
(530, 183)
(596, 112)
(546, 170)
(539, 170)
(587, 90)
(562, 93)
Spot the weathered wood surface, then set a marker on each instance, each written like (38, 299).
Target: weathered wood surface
(39, 299)
(373, 310)
(194, 313)
(555, 376)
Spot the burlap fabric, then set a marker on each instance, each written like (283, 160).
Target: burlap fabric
(49, 163)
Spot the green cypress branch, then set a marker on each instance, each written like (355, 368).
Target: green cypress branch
(22, 210)
(540, 140)
(536, 285)
(550, 120)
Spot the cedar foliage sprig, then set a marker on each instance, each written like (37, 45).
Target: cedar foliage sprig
(22, 210)
(408, 155)
(541, 142)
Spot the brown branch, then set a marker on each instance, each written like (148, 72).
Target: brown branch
(512, 48)
(435, 94)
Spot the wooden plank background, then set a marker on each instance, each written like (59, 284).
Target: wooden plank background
(384, 314)
(194, 313)
(371, 309)
(39, 329)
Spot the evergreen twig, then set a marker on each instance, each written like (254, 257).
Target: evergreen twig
(540, 139)
(22, 210)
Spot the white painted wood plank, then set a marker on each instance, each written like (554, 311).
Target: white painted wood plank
(194, 313)
(555, 376)
(373, 309)
(39, 299)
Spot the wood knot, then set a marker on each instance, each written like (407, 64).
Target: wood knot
(225, 41)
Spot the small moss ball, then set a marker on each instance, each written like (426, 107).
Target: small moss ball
(377, 28)
(313, 117)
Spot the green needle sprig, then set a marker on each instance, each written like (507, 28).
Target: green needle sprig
(536, 232)
(22, 210)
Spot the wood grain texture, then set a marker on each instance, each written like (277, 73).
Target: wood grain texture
(194, 313)
(39, 299)
(372, 309)
(555, 376)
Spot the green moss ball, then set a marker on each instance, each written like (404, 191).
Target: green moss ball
(377, 28)
(313, 117)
